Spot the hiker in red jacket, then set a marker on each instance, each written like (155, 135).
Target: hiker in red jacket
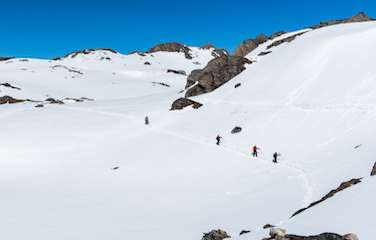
(254, 150)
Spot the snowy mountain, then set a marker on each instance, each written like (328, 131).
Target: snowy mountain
(83, 165)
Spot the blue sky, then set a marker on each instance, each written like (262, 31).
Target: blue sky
(48, 29)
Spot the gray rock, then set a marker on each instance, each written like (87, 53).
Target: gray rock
(359, 17)
(172, 47)
(236, 130)
(249, 45)
(10, 100)
(184, 102)
(237, 85)
(218, 71)
(215, 235)
(181, 72)
(323, 236)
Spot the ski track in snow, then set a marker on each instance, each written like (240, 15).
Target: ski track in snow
(307, 198)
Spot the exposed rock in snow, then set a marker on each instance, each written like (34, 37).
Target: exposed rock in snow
(350, 236)
(249, 45)
(284, 40)
(172, 47)
(10, 100)
(333, 192)
(244, 232)
(5, 58)
(218, 71)
(268, 226)
(207, 46)
(54, 101)
(184, 102)
(215, 235)
(359, 17)
(181, 72)
(236, 130)
(8, 85)
(85, 52)
(373, 172)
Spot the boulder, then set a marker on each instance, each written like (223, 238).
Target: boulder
(244, 232)
(184, 102)
(39, 105)
(236, 130)
(216, 73)
(237, 85)
(215, 235)
(277, 233)
(373, 172)
(172, 47)
(10, 100)
(147, 63)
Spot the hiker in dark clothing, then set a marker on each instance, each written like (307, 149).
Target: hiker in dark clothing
(146, 120)
(218, 138)
(275, 157)
(254, 150)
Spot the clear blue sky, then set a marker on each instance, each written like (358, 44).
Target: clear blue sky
(50, 28)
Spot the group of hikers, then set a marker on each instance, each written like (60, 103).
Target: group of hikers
(254, 150)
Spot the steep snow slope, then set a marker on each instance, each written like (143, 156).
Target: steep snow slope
(311, 99)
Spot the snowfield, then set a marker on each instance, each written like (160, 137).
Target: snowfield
(313, 100)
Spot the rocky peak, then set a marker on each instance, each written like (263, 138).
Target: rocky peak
(85, 52)
(171, 47)
(359, 17)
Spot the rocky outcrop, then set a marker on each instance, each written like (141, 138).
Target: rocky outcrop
(284, 40)
(218, 71)
(219, 52)
(172, 47)
(207, 46)
(84, 52)
(10, 100)
(333, 192)
(54, 101)
(242, 232)
(359, 17)
(215, 235)
(373, 172)
(249, 45)
(280, 234)
(184, 102)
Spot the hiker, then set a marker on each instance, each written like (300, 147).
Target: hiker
(218, 138)
(275, 157)
(146, 120)
(254, 150)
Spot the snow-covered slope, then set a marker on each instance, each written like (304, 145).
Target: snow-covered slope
(311, 99)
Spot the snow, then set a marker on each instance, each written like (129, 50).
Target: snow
(311, 99)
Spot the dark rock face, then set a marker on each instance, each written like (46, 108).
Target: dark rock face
(8, 85)
(236, 130)
(359, 17)
(373, 173)
(5, 58)
(249, 45)
(10, 100)
(219, 52)
(268, 226)
(181, 72)
(244, 232)
(218, 71)
(333, 192)
(215, 235)
(184, 102)
(172, 47)
(147, 63)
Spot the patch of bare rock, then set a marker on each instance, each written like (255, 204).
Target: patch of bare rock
(84, 52)
(11, 100)
(359, 17)
(281, 234)
(373, 172)
(215, 235)
(333, 192)
(8, 85)
(172, 47)
(184, 102)
(216, 73)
